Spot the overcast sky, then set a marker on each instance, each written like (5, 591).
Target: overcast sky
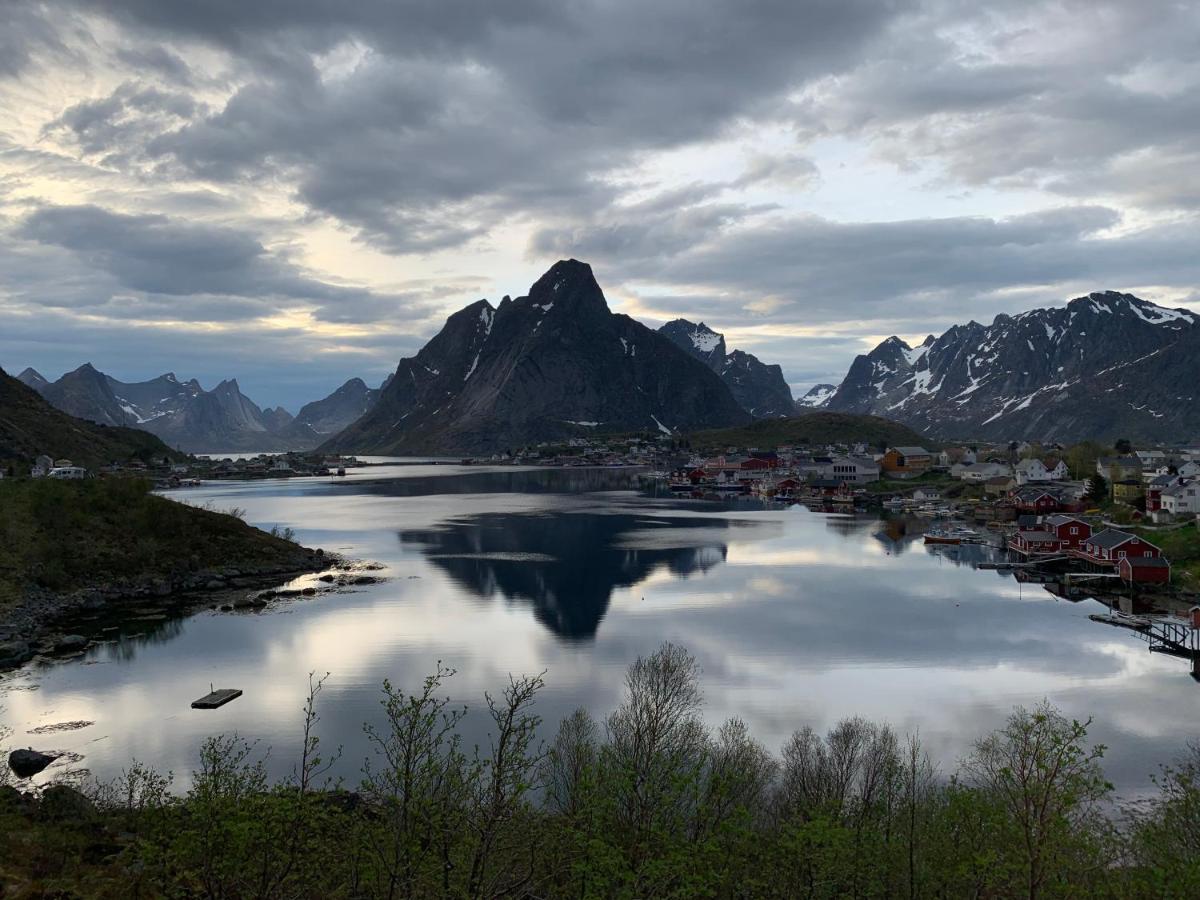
(294, 192)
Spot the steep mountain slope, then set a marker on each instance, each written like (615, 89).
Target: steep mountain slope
(29, 427)
(551, 365)
(816, 398)
(341, 409)
(180, 412)
(760, 389)
(1107, 365)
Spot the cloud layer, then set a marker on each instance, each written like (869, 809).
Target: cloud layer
(304, 189)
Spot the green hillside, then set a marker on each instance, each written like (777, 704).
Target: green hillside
(67, 535)
(815, 429)
(29, 426)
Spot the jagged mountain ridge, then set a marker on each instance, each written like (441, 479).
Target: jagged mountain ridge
(181, 413)
(554, 364)
(1103, 366)
(760, 389)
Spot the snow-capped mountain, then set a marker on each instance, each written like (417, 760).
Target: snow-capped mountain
(816, 398)
(549, 366)
(760, 389)
(1104, 366)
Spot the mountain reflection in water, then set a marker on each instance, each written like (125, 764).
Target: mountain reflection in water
(567, 564)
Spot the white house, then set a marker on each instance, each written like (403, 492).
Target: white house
(1181, 499)
(1035, 470)
(1189, 469)
(926, 495)
(42, 466)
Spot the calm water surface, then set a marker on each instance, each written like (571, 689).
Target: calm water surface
(796, 618)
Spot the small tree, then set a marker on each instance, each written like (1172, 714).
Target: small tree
(1048, 782)
(1097, 489)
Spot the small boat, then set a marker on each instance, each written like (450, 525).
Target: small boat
(958, 535)
(938, 536)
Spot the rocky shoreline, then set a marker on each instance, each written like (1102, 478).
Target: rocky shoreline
(34, 626)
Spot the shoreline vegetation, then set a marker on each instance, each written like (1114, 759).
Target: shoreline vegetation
(73, 547)
(648, 802)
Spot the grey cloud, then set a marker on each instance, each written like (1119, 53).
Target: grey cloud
(190, 271)
(919, 273)
(465, 113)
(1006, 101)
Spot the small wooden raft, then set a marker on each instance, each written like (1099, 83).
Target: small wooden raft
(217, 698)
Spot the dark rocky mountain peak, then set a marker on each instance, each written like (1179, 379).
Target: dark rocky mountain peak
(569, 285)
(547, 366)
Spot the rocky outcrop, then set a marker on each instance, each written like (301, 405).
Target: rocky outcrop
(548, 366)
(1105, 366)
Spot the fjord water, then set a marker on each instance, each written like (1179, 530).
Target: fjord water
(796, 617)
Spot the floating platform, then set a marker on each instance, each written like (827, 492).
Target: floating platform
(216, 698)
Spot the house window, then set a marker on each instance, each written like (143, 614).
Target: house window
(1074, 530)
(1120, 554)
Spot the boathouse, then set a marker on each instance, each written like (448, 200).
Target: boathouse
(1151, 570)
(1037, 541)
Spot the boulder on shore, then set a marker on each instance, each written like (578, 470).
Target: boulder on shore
(27, 763)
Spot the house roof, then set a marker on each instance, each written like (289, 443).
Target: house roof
(1033, 493)
(1110, 538)
(1147, 562)
(911, 451)
(1060, 519)
(1037, 537)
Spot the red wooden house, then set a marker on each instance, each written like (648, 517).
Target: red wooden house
(1109, 547)
(1144, 570)
(1070, 531)
(1034, 500)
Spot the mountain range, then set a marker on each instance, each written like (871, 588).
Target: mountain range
(759, 388)
(187, 417)
(1104, 366)
(30, 427)
(551, 365)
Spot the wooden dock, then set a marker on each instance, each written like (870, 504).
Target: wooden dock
(219, 697)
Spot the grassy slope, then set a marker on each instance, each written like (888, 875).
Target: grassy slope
(64, 535)
(30, 426)
(815, 428)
